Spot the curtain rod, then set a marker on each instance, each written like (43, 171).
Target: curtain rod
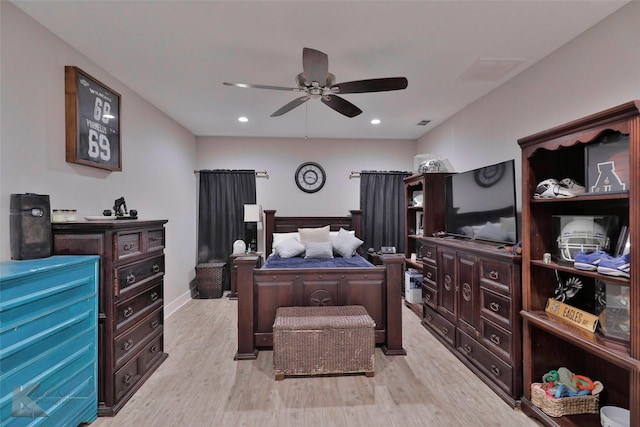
(259, 174)
(356, 174)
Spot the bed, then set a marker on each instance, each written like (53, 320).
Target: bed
(262, 290)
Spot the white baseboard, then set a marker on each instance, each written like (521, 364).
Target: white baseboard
(174, 305)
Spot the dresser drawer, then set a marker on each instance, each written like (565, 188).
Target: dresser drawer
(128, 244)
(429, 255)
(497, 370)
(130, 311)
(131, 342)
(152, 353)
(439, 324)
(495, 307)
(430, 296)
(496, 339)
(430, 275)
(496, 274)
(126, 378)
(132, 275)
(155, 240)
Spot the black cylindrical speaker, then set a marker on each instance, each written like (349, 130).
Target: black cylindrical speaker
(30, 226)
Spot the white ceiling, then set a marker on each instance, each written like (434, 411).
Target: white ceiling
(176, 54)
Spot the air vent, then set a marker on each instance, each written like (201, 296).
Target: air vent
(424, 122)
(491, 69)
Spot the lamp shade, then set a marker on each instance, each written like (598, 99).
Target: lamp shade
(252, 213)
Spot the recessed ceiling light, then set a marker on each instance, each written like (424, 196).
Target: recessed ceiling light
(243, 119)
(375, 121)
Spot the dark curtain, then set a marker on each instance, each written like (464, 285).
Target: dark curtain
(223, 194)
(382, 201)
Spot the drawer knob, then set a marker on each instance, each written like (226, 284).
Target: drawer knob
(128, 247)
(494, 306)
(495, 339)
(153, 349)
(154, 296)
(127, 345)
(155, 268)
(127, 378)
(466, 291)
(154, 324)
(428, 317)
(467, 348)
(447, 282)
(445, 330)
(429, 275)
(131, 278)
(127, 312)
(494, 275)
(428, 254)
(495, 370)
(427, 297)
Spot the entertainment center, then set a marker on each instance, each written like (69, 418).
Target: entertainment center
(471, 283)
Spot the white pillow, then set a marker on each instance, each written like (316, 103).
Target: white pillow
(345, 244)
(281, 237)
(320, 234)
(289, 248)
(319, 250)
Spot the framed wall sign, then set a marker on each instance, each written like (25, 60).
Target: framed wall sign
(92, 121)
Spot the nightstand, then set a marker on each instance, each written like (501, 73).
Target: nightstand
(233, 294)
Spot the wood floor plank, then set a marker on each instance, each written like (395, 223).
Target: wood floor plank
(201, 385)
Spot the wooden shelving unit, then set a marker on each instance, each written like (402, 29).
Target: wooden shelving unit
(549, 342)
(431, 185)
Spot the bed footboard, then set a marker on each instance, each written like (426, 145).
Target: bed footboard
(261, 292)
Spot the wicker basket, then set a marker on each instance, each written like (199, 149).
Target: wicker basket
(565, 405)
(209, 279)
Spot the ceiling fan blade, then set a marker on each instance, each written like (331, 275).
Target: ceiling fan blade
(341, 105)
(371, 85)
(290, 106)
(249, 85)
(315, 65)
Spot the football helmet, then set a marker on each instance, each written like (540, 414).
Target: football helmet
(581, 235)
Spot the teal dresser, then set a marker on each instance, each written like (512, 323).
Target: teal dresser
(48, 341)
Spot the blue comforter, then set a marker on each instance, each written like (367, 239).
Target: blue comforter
(275, 261)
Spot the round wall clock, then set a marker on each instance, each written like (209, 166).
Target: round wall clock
(310, 177)
(489, 175)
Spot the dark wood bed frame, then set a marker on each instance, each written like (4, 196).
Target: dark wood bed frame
(261, 292)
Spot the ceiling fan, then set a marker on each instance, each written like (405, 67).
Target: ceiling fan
(317, 82)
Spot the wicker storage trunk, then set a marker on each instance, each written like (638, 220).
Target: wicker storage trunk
(323, 340)
(209, 279)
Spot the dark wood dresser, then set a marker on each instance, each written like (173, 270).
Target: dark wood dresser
(471, 303)
(130, 301)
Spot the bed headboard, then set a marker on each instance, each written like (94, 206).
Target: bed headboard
(290, 224)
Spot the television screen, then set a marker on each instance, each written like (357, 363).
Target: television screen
(481, 204)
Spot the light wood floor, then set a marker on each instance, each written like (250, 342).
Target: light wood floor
(201, 385)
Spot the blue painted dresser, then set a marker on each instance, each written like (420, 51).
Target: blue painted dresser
(48, 341)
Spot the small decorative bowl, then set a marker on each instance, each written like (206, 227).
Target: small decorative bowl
(613, 416)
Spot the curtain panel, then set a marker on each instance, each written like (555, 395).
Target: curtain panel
(223, 194)
(383, 211)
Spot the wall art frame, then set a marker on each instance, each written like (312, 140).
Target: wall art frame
(92, 120)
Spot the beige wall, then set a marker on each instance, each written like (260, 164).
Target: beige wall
(158, 155)
(597, 70)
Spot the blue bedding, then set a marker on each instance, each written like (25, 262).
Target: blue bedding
(356, 261)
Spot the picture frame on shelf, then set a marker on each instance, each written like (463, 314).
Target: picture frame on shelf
(92, 119)
(607, 165)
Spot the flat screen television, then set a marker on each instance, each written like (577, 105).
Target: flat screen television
(481, 204)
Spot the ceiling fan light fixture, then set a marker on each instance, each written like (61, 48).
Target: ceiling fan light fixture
(243, 119)
(375, 121)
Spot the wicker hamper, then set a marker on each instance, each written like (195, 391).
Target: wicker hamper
(209, 279)
(565, 405)
(323, 340)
